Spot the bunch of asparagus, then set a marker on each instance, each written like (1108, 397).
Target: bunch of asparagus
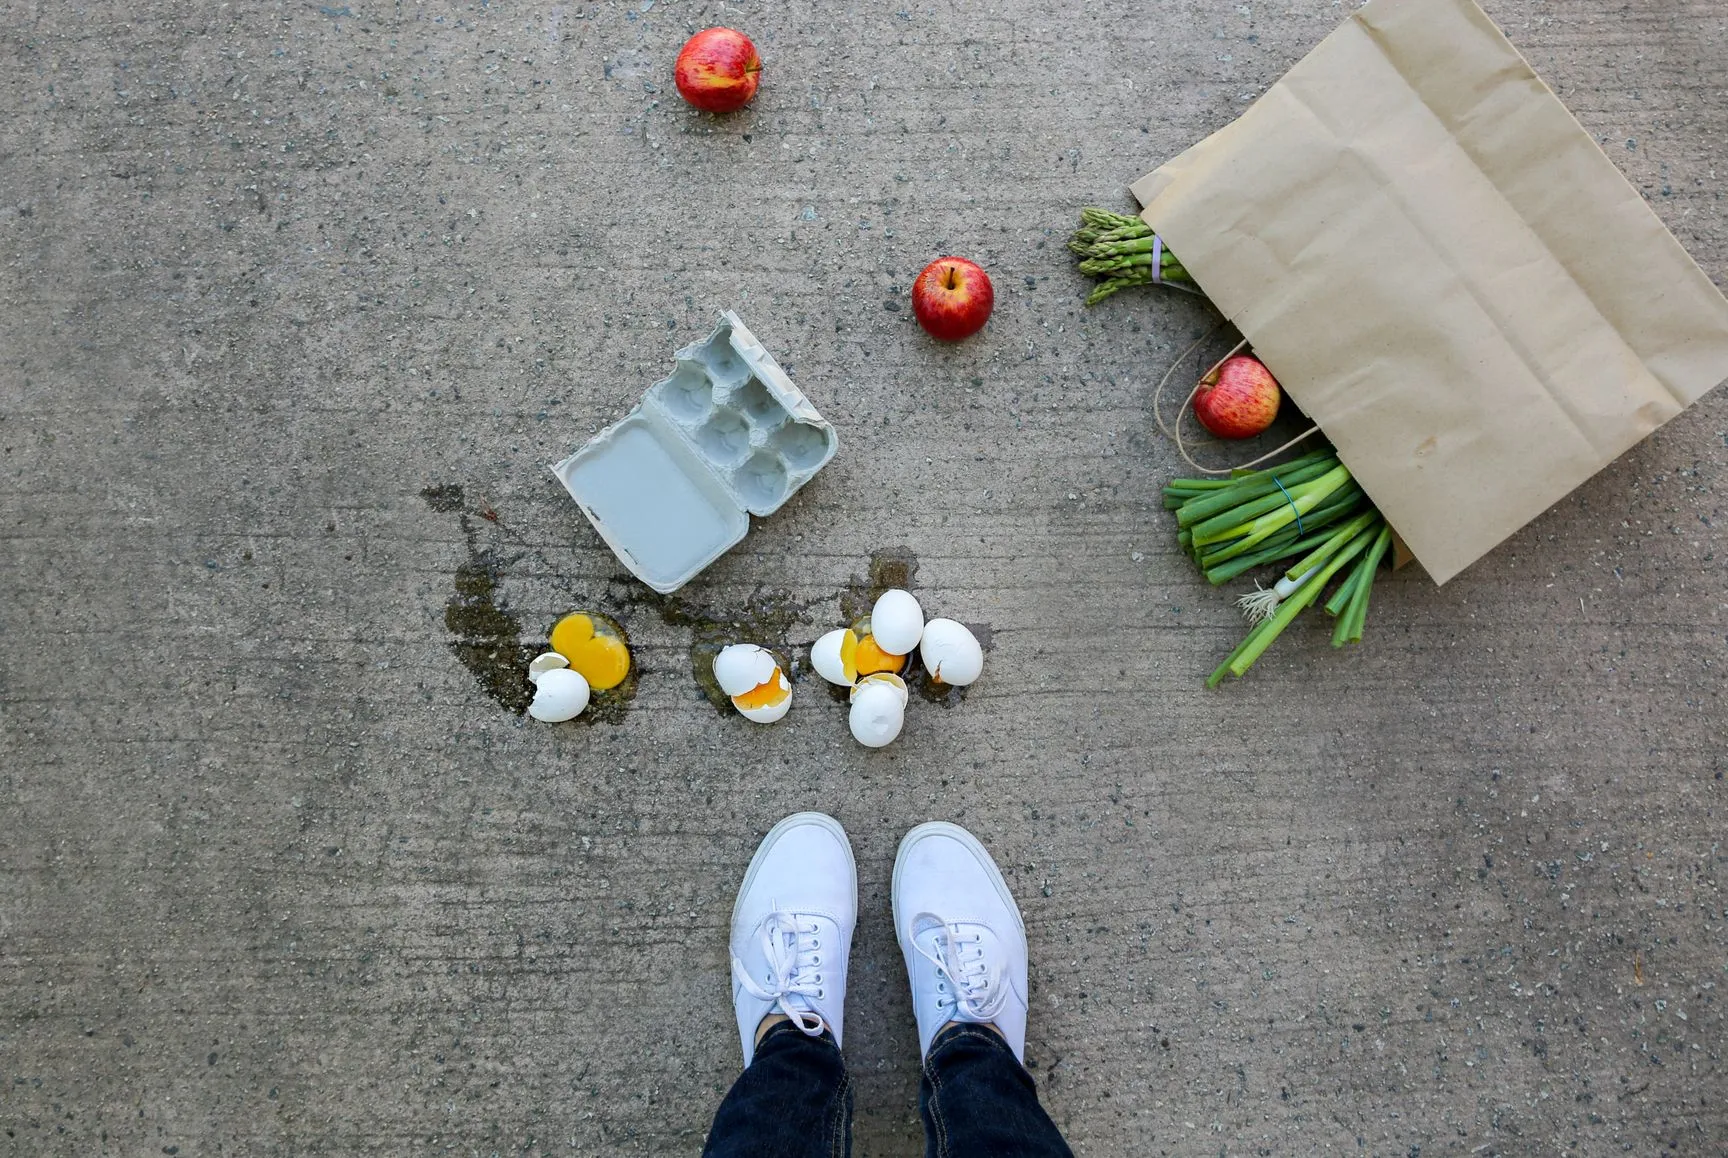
(1309, 508)
(1119, 250)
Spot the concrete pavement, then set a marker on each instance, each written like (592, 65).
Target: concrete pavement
(298, 301)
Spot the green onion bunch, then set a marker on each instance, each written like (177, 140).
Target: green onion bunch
(1309, 509)
(1118, 251)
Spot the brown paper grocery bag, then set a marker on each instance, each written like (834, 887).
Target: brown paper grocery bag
(1445, 272)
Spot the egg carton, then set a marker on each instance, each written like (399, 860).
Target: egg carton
(672, 485)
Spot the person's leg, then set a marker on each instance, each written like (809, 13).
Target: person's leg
(791, 936)
(965, 950)
(794, 1098)
(977, 1099)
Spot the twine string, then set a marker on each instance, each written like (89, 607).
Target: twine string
(1174, 431)
(1292, 503)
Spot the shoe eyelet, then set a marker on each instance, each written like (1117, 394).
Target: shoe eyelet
(821, 994)
(816, 960)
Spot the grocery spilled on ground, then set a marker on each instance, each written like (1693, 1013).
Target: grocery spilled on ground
(726, 435)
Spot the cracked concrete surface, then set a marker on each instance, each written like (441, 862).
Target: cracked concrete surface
(281, 877)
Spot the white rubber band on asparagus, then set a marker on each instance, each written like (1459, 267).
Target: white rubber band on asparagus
(1158, 269)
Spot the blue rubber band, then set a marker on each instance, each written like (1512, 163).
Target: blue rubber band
(1292, 503)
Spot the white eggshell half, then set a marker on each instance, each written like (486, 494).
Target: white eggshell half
(878, 711)
(885, 679)
(897, 622)
(543, 663)
(742, 666)
(951, 652)
(559, 694)
(772, 712)
(825, 658)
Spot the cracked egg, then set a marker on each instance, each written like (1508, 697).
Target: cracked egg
(751, 676)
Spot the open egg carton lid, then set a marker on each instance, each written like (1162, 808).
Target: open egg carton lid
(671, 485)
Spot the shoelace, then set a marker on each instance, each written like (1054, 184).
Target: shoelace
(794, 975)
(971, 989)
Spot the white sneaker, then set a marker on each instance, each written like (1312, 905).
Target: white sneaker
(961, 933)
(792, 928)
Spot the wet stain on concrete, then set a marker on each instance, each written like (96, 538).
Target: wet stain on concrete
(484, 636)
(487, 637)
(890, 567)
(446, 499)
(766, 619)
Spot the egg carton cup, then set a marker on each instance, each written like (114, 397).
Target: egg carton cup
(671, 486)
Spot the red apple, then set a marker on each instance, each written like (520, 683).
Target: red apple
(718, 70)
(952, 298)
(1239, 399)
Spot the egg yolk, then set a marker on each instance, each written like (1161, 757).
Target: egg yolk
(869, 658)
(604, 661)
(764, 695)
(573, 629)
(600, 657)
(849, 656)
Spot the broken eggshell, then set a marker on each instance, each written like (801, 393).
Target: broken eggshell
(777, 693)
(878, 709)
(835, 657)
(951, 653)
(559, 694)
(742, 666)
(751, 676)
(543, 663)
(897, 622)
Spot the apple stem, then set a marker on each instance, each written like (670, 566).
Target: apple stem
(950, 278)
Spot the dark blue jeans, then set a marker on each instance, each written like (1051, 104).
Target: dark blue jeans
(795, 1101)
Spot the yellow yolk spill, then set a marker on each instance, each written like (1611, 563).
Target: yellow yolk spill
(849, 656)
(869, 658)
(604, 661)
(573, 629)
(598, 655)
(764, 695)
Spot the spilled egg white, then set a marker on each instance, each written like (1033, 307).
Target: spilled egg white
(897, 622)
(559, 694)
(951, 653)
(828, 657)
(743, 666)
(878, 710)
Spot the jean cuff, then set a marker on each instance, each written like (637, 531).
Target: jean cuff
(968, 1030)
(781, 1028)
